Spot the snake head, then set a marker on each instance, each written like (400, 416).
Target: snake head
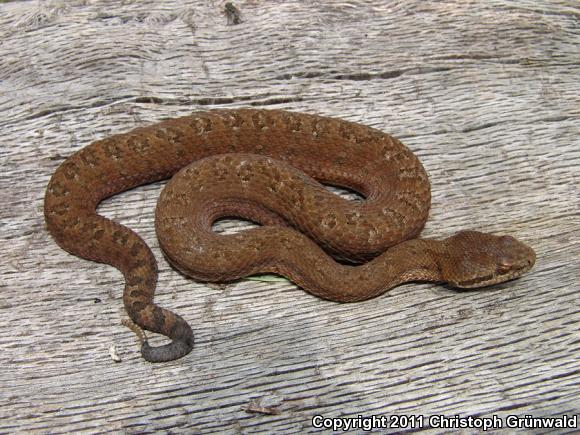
(473, 259)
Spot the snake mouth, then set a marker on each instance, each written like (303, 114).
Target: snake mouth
(496, 277)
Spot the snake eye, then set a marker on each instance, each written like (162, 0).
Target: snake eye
(504, 265)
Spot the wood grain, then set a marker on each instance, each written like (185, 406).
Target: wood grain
(485, 93)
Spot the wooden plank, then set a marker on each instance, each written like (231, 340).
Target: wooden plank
(486, 94)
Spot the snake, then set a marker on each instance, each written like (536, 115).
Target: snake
(272, 167)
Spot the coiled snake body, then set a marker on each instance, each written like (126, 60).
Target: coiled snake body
(258, 164)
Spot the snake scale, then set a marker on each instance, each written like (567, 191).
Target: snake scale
(266, 166)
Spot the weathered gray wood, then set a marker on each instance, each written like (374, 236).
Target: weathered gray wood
(485, 92)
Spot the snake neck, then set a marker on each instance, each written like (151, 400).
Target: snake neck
(410, 261)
